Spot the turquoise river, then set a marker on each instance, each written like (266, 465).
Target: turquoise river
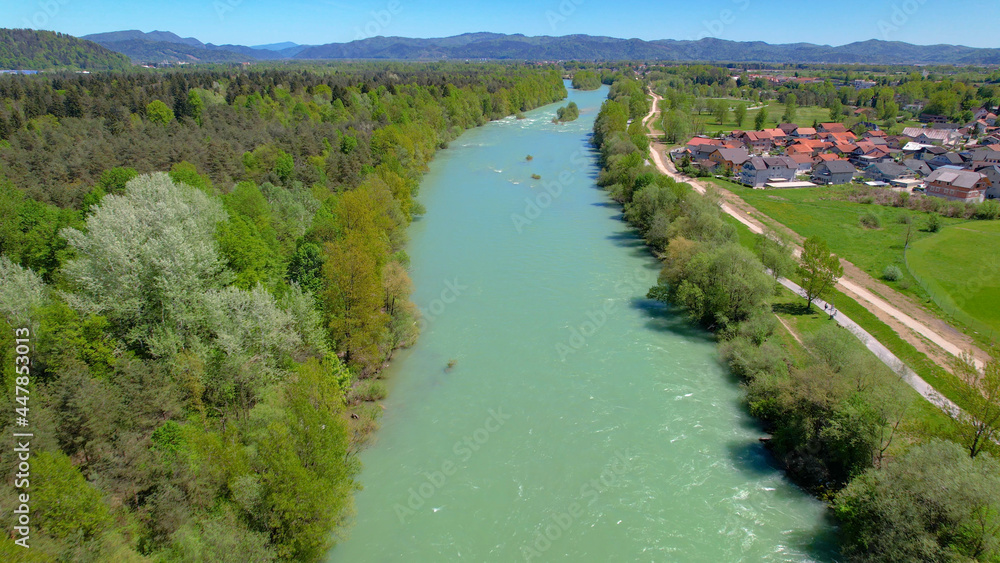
(580, 421)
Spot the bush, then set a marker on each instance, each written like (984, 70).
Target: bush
(892, 273)
(368, 390)
(870, 220)
(988, 210)
(933, 504)
(904, 219)
(933, 223)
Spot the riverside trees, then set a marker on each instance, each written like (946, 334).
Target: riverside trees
(199, 332)
(833, 415)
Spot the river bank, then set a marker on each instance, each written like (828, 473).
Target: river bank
(578, 416)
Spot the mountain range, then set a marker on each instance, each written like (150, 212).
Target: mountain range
(157, 46)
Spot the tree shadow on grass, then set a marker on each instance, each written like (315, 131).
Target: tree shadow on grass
(797, 309)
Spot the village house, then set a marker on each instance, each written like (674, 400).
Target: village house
(804, 132)
(887, 172)
(933, 136)
(946, 159)
(804, 161)
(929, 152)
(984, 157)
(831, 128)
(760, 170)
(992, 174)
(834, 172)
(918, 167)
(756, 141)
(729, 159)
(960, 185)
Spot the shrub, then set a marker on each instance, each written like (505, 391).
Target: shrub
(988, 210)
(892, 273)
(933, 223)
(369, 390)
(870, 220)
(904, 219)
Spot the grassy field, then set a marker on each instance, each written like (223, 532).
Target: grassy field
(923, 420)
(960, 269)
(820, 212)
(804, 117)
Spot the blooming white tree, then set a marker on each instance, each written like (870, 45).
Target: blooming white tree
(21, 290)
(147, 260)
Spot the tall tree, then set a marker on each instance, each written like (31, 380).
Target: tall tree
(740, 112)
(820, 269)
(775, 252)
(981, 423)
(758, 121)
(791, 106)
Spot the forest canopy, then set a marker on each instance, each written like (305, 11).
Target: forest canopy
(211, 266)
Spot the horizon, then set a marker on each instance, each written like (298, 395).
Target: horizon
(304, 22)
(182, 36)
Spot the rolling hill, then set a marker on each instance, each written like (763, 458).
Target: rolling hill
(27, 49)
(160, 45)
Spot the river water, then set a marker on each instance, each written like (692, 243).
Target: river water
(579, 421)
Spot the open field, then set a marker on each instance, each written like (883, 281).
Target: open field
(923, 420)
(820, 212)
(804, 117)
(960, 270)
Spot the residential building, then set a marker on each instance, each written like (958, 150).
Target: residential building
(931, 136)
(834, 172)
(760, 170)
(961, 185)
(887, 172)
(992, 174)
(729, 159)
(946, 159)
(918, 167)
(831, 128)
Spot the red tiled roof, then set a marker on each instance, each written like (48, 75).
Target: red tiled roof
(697, 141)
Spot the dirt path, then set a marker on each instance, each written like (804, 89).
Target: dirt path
(914, 324)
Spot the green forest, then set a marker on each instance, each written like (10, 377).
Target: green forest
(835, 415)
(26, 49)
(211, 267)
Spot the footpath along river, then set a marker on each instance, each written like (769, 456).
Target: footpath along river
(580, 422)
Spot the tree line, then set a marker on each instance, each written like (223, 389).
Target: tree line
(834, 417)
(212, 266)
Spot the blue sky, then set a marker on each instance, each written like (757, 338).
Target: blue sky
(253, 22)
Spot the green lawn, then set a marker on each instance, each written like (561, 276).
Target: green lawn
(804, 117)
(960, 269)
(821, 212)
(924, 419)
